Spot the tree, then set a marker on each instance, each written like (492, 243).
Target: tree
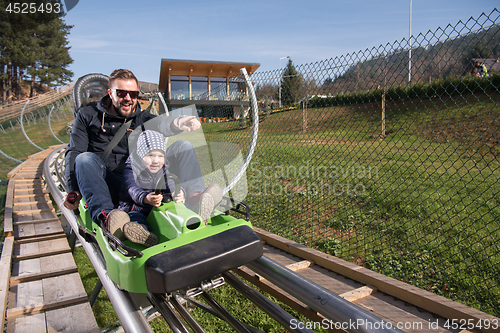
(291, 84)
(14, 46)
(51, 67)
(35, 44)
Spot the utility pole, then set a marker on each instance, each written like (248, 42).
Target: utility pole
(409, 53)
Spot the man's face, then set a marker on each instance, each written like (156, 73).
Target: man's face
(124, 105)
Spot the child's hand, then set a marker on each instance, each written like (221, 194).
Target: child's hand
(180, 197)
(153, 199)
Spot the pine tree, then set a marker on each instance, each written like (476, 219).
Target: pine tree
(13, 47)
(290, 85)
(52, 63)
(35, 43)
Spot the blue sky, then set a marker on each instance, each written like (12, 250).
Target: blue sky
(138, 34)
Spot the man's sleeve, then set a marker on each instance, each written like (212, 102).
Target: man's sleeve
(162, 124)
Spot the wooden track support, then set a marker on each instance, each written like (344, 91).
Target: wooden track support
(40, 288)
(387, 298)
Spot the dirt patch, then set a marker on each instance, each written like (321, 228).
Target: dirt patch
(328, 142)
(479, 133)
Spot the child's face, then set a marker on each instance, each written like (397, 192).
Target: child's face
(154, 160)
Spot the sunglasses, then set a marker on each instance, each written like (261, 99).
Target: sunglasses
(122, 93)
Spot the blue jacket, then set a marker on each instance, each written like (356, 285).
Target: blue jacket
(138, 181)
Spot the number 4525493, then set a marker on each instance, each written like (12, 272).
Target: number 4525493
(31, 8)
(471, 324)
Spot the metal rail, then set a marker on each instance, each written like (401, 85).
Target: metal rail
(186, 315)
(277, 313)
(126, 309)
(22, 127)
(347, 315)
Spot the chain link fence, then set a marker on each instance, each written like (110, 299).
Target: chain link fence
(387, 157)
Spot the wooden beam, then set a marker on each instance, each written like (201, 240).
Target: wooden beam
(5, 270)
(8, 227)
(24, 203)
(32, 195)
(15, 280)
(14, 171)
(414, 295)
(210, 83)
(41, 307)
(359, 293)
(190, 86)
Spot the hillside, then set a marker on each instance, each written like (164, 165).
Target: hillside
(25, 92)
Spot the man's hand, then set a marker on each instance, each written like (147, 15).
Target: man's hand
(153, 199)
(72, 200)
(189, 123)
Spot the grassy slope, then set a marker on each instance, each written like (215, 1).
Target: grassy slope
(427, 211)
(14, 144)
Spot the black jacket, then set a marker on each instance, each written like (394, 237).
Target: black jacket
(93, 129)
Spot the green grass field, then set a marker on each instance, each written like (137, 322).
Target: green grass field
(421, 205)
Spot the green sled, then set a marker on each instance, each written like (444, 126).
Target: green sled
(188, 251)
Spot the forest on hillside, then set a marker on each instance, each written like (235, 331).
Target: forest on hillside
(33, 48)
(429, 61)
(435, 55)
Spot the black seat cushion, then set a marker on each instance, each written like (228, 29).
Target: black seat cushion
(188, 265)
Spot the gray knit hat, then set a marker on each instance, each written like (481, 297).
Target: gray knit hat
(150, 140)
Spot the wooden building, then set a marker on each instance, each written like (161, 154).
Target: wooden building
(213, 86)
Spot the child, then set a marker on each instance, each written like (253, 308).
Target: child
(145, 171)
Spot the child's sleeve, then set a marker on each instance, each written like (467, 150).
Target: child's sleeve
(136, 193)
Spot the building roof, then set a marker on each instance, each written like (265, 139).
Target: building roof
(201, 68)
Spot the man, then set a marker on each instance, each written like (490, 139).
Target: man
(98, 181)
(481, 69)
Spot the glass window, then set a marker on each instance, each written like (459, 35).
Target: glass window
(199, 86)
(179, 87)
(216, 81)
(218, 88)
(237, 89)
